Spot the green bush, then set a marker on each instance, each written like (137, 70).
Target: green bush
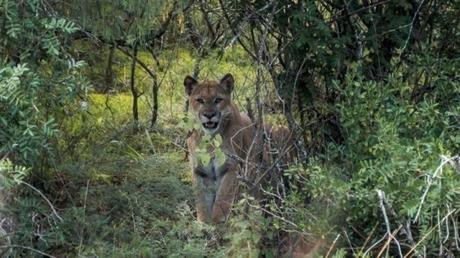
(39, 81)
(404, 147)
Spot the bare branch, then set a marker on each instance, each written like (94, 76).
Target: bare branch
(45, 198)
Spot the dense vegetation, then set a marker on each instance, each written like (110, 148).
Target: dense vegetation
(93, 128)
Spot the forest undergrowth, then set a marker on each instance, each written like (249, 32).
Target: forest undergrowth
(93, 124)
(121, 191)
(125, 195)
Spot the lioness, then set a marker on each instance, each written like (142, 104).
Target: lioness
(215, 184)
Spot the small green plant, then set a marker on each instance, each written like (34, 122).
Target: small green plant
(11, 175)
(209, 148)
(245, 230)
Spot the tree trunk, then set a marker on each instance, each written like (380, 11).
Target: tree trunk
(109, 71)
(134, 90)
(155, 102)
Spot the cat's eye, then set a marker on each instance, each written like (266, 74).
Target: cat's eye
(200, 100)
(217, 100)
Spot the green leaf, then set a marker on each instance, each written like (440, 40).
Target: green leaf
(220, 157)
(204, 158)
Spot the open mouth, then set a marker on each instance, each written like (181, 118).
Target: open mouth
(210, 125)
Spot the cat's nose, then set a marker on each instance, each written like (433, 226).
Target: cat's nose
(209, 115)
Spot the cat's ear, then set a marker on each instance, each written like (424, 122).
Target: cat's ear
(189, 84)
(228, 82)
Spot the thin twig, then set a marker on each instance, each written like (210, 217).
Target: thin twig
(45, 198)
(349, 242)
(84, 216)
(405, 226)
(374, 245)
(390, 237)
(428, 233)
(430, 182)
(274, 215)
(369, 237)
(333, 244)
(411, 27)
(27, 248)
(381, 195)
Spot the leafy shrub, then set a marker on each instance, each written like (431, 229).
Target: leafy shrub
(38, 79)
(402, 148)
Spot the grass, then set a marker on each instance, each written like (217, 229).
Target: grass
(122, 199)
(126, 194)
(122, 194)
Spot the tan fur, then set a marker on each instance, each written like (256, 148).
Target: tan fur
(281, 145)
(216, 186)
